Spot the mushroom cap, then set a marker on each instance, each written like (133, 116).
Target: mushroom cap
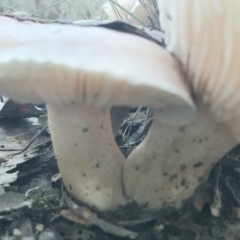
(94, 66)
(204, 37)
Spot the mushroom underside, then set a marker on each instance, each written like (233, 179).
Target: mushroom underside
(203, 37)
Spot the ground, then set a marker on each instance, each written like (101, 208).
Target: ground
(37, 205)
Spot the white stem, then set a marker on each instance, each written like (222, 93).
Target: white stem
(172, 161)
(90, 162)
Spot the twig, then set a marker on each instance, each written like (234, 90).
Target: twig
(93, 219)
(32, 140)
(75, 9)
(45, 8)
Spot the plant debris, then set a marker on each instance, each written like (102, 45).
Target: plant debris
(32, 193)
(12, 201)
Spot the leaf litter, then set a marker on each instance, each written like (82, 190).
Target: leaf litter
(32, 194)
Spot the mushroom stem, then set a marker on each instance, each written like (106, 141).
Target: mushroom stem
(172, 161)
(90, 162)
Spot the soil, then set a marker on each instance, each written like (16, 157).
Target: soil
(169, 224)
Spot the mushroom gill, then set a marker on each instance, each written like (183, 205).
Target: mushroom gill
(204, 36)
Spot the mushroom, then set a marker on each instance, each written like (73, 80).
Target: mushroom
(80, 72)
(132, 6)
(179, 151)
(202, 36)
(174, 159)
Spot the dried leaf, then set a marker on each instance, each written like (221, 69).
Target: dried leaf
(10, 109)
(93, 219)
(11, 201)
(8, 178)
(70, 215)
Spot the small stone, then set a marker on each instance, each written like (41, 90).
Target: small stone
(17, 232)
(39, 227)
